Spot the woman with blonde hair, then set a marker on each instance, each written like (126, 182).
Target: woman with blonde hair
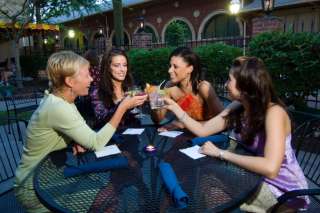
(57, 122)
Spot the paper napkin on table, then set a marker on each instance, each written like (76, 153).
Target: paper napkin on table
(192, 152)
(108, 150)
(133, 131)
(171, 134)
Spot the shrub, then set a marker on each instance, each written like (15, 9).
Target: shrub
(293, 62)
(217, 58)
(149, 65)
(152, 65)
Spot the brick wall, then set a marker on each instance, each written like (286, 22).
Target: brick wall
(266, 24)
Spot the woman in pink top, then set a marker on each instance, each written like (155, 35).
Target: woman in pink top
(262, 124)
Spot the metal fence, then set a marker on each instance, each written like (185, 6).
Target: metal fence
(311, 101)
(237, 41)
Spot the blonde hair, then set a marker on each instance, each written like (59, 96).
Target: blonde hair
(61, 65)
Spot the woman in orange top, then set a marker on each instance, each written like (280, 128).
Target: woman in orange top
(195, 96)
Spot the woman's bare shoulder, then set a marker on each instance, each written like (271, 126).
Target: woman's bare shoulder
(276, 114)
(276, 110)
(173, 92)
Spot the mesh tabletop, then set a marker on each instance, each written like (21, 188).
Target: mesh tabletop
(212, 185)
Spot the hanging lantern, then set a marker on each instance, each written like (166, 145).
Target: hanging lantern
(267, 6)
(234, 6)
(140, 19)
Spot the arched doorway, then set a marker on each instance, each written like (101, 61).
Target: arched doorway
(220, 25)
(177, 32)
(125, 39)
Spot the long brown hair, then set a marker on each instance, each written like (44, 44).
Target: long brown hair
(256, 92)
(105, 85)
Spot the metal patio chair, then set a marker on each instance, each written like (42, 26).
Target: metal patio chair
(306, 141)
(10, 150)
(17, 104)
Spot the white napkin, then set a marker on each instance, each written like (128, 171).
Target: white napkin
(133, 131)
(192, 152)
(108, 150)
(171, 134)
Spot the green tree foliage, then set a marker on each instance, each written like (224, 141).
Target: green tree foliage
(293, 62)
(46, 9)
(216, 58)
(177, 33)
(16, 13)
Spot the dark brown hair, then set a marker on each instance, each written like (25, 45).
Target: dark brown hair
(256, 92)
(191, 59)
(92, 57)
(105, 85)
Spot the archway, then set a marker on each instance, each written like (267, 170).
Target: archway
(188, 31)
(126, 38)
(219, 24)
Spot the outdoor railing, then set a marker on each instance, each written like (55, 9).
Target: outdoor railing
(311, 101)
(237, 41)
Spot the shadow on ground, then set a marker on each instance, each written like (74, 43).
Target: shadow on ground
(9, 204)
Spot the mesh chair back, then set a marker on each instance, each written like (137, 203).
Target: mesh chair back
(307, 142)
(10, 150)
(20, 103)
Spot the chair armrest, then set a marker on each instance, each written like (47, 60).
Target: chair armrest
(292, 194)
(16, 120)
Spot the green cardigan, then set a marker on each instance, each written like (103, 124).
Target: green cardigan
(52, 126)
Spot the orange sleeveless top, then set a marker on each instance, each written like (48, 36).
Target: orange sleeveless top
(192, 106)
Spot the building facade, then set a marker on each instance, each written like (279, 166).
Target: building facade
(203, 20)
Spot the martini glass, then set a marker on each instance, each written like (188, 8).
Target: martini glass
(135, 91)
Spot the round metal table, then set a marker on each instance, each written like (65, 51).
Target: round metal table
(212, 185)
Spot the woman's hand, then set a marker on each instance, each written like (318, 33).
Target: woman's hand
(210, 149)
(131, 102)
(78, 149)
(171, 126)
(173, 106)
